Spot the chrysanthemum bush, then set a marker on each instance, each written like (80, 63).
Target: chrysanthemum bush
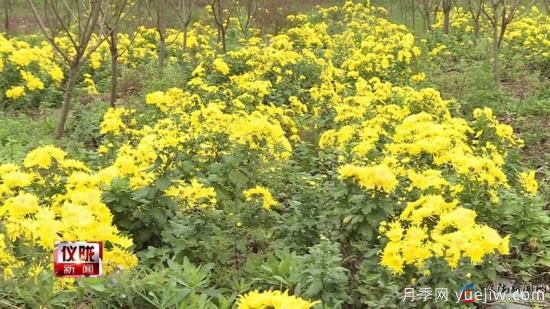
(29, 72)
(33, 74)
(306, 164)
(52, 198)
(528, 37)
(525, 40)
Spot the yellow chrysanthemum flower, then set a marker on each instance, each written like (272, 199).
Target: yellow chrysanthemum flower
(15, 92)
(274, 300)
(267, 198)
(528, 182)
(221, 66)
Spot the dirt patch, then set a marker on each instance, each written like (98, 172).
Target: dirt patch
(23, 25)
(519, 88)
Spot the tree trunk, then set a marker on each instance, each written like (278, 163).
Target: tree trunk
(447, 5)
(476, 27)
(446, 22)
(413, 9)
(67, 98)
(161, 27)
(425, 12)
(7, 8)
(496, 47)
(185, 33)
(224, 43)
(436, 10)
(496, 64)
(428, 20)
(114, 67)
(402, 11)
(162, 53)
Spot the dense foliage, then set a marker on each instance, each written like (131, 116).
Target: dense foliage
(309, 168)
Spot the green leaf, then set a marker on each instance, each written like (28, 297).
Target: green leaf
(144, 234)
(281, 279)
(143, 193)
(159, 215)
(163, 183)
(99, 287)
(357, 199)
(238, 179)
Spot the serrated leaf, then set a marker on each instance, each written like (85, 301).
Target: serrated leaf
(163, 183)
(159, 215)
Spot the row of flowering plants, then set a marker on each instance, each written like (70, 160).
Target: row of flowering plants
(525, 39)
(32, 73)
(308, 165)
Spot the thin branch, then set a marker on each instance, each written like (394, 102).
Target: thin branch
(62, 25)
(44, 31)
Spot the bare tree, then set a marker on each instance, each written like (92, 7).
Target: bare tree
(475, 12)
(157, 12)
(76, 20)
(246, 18)
(184, 10)
(546, 4)
(273, 14)
(112, 15)
(426, 9)
(413, 6)
(222, 11)
(500, 14)
(402, 10)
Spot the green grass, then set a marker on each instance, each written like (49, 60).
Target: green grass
(20, 133)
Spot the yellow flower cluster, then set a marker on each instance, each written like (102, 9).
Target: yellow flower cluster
(406, 142)
(8, 261)
(44, 157)
(403, 141)
(90, 84)
(529, 35)
(274, 300)
(526, 35)
(36, 67)
(267, 199)
(114, 120)
(412, 240)
(437, 50)
(15, 92)
(207, 124)
(461, 20)
(528, 182)
(32, 214)
(142, 46)
(379, 177)
(258, 132)
(33, 82)
(192, 195)
(31, 68)
(417, 78)
(221, 66)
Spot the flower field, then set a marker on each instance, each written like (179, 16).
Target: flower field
(324, 166)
